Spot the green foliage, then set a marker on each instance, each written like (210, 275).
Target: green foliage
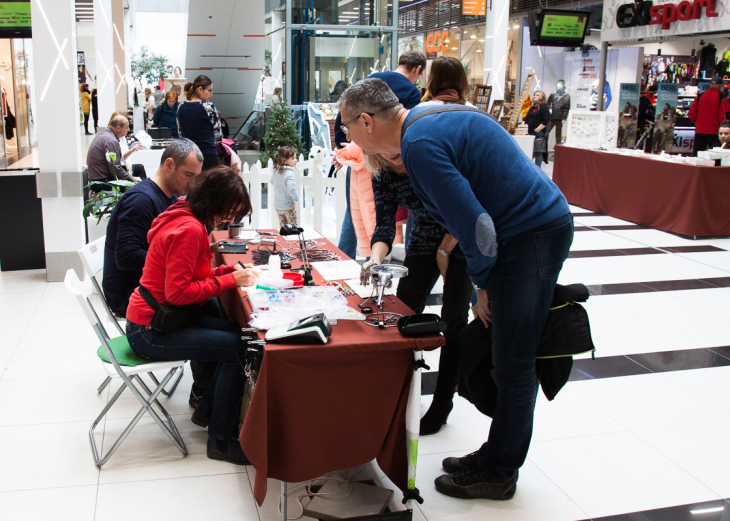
(281, 132)
(150, 66)
(105, 202)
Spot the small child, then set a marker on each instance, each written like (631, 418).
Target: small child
(285, 187)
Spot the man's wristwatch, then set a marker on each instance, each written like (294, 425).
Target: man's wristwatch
(477, 288)
(444, 252)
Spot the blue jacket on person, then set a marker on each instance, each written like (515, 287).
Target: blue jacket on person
(166, 117)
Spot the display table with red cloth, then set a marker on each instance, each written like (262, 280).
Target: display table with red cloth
(685, 199)
(321, 408)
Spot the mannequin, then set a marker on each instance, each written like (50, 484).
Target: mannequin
(559, 104)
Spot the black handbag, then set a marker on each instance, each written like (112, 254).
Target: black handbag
(540, 145)
(169, 318)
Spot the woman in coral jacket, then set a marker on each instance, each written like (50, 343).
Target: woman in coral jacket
(177, 272)
(362, 204)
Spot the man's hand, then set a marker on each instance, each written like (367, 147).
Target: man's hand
(442, 261)
(483, 308)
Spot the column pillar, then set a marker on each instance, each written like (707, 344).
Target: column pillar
(120, 66)
(495, 46)
(57, 109)
(106, 75)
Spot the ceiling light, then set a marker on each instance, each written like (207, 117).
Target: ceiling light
(474, 36)
(481, 41)
(707, 510)
(515, 26)
(447, 41)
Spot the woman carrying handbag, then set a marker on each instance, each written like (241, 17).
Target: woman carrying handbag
(537, 119)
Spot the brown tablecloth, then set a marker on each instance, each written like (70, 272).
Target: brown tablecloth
(320, 408)
(685, 199)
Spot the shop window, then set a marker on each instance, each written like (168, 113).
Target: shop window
(472, 55)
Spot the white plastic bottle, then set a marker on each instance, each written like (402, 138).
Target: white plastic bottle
(274, 266)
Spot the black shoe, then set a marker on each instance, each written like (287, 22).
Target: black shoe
(201, 418)
(473, 484)
(195, 396)
(227, 450)
(89, 134)
(436, 417)
(468, 462)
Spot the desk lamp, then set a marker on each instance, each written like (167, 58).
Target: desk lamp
(290, 229)
(382, 276)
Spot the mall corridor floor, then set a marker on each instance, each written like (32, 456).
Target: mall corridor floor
(640, 428)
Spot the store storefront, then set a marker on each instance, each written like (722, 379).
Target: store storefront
(18, 100)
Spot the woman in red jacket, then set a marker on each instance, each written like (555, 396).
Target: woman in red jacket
(177, 272)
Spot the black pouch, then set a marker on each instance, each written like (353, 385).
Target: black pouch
(170, 318)
(421, 324)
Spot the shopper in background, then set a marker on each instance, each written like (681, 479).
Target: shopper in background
(431, 251)
(177, 273)
(225, 132)
(285, 185)
(166, 114)
(101, 169)
(647, 113)
(197, 120)
(150, 104)
(537, 119)
(707, 111)
(159, 95)
(95, 110)
(276, 98)
(86, 105)
(724, 134)
(515, 229)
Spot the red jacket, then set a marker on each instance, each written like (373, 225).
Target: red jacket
(708, 111)
(177, 269)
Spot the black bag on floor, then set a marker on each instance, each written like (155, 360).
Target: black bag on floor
(567, 333)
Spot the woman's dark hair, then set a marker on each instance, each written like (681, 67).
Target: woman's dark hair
(218, 192)
(191, 88)
(652, 88)
(284, 153)
(448, 73)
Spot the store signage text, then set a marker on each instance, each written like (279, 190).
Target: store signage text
(644, 12)
(435, 42)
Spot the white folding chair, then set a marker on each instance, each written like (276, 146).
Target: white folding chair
(119, 361)
(92, 257)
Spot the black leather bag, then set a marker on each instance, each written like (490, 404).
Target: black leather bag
(169, 318)
(540, 145)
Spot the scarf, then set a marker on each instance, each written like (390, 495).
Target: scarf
(448, 95)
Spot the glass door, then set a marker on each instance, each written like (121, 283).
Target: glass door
(21, 98)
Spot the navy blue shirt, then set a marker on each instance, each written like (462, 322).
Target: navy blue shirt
(166, 117)
(198, 121)
(126, 245)
(476, 182)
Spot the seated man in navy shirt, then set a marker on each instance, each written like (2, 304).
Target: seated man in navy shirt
(515, 228)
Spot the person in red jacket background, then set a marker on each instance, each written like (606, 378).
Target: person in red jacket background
(707, 112)
(177, 272)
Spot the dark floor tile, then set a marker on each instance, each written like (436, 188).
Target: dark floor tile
(677, 513)
(722, 350)
(428, 382)
(582, 254)
(587, 214)
(675, 285)
(612, 227)
(700, 248)
(606, 367)
(719, 282)
(641, 251)
(618, 289)
(680, 360)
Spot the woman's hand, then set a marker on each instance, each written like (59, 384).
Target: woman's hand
(294, 206)
(246, 277)
(483, 308)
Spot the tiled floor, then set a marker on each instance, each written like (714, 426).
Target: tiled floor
(607, 445)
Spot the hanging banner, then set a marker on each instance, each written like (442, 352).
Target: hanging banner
(666, 117)
(628, 103)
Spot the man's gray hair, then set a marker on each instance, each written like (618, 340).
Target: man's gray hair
(118, 121)
(179, 150)
(370, 95)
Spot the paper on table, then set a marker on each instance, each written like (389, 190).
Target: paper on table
(309, 233)
(366, 291)
(248, 234)
(337, 270)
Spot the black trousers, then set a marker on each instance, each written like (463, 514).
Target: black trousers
(555, 124)
(86, 122)
(210, 160)
(705, 141)
(413, 290)
(95, 117)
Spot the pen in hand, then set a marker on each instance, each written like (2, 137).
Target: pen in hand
(241, 264)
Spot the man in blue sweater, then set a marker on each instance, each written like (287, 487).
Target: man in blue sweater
(515, 229)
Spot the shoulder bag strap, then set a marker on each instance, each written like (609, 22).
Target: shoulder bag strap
(436, 110)
(148, 298)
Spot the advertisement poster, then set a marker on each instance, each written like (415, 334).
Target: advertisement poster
(666, 117)
(628, 112)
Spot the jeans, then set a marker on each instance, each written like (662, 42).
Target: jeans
(210, 160)
(409, 227)
(538, 158)
(520, 288)
(413, 290)
(212, 339)
(348, 239)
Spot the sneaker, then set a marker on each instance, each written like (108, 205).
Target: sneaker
(195, 398)
(470, 461)
(474, 484)
(227, 450)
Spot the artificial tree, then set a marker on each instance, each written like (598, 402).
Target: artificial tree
(281, 132)
(149, 66)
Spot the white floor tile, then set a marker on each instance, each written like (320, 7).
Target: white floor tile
(148, 454)
(36, 360)
(711, 385)
(698, 449)
(58, 303)
(598, 220)
(599, 240)
(12, 329)
(223, 498)
(58, 328)
(646, 401)
(18, 304)
(46, 456)
(28, 281)
(6, 352)
(465, 430)
(536, 498)
(631, 345)
(33, 401)
(616, 473)
(58, 504)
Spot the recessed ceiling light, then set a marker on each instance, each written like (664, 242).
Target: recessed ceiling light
(481, 41)
(515, 26)
(474, 36)
(479, 50)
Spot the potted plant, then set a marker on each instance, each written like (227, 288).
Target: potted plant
(101, 206)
